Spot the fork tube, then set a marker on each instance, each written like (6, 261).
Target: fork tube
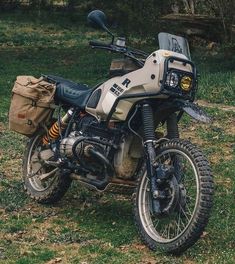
(150, 154)
(172, 126)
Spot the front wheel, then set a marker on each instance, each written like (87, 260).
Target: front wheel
(187, 204)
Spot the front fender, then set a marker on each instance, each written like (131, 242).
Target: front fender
(193, 110)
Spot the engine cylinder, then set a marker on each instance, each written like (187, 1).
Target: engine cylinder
(66, 146)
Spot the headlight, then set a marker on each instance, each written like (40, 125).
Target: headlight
(178, 80)
(186, 83)
(172, 79)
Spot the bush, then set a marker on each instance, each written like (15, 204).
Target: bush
(138, 16)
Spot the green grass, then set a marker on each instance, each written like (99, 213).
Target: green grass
(217, 76)
(86, 226)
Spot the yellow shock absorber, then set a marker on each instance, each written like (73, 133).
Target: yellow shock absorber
(54, 131)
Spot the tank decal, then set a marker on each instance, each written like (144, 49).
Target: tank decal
(116, 90)
(126, 82)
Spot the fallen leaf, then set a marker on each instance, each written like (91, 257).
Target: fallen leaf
(204, 234)
(53, 261)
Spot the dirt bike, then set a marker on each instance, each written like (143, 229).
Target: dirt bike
(122, 136)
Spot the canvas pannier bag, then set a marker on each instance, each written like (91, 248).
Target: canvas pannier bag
(32, 104)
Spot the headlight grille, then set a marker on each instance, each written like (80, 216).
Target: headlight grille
(179, 81)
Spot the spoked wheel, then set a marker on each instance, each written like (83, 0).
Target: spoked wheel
(186, 201)
(44, 190)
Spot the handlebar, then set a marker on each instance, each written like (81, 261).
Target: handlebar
(98, 44)
(131, 53)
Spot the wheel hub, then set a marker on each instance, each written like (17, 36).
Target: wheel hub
(170, 194)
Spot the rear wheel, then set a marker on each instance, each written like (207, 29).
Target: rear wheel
(46, 191)
(189, 199)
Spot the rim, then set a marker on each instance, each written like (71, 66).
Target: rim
(169, 228)
(36, 168)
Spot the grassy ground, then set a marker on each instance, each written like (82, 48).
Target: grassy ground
(86, 227)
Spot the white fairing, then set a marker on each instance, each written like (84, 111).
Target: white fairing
(147, 79)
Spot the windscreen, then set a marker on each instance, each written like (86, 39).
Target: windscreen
(174, 43)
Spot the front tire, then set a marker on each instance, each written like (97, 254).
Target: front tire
(185, 221)
(50, 190)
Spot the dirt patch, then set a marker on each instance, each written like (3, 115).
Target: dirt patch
(191, 136)
(189, 261)
(227, 183)
(2, 127)
(12, 168)
(230, 128)
(213, 105)
(146, 257)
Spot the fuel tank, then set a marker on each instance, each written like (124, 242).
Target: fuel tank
(144, 80)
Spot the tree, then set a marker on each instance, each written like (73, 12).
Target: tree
(189, 6)
(224, 10)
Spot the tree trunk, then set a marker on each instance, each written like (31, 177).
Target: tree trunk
(206, 27)
(192, 6)
(189, 6)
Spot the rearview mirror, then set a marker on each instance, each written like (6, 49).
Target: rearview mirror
(97, 18)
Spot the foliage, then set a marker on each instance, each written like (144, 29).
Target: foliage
(225, 10)
(141, 17)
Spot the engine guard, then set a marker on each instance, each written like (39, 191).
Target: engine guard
(193, 110)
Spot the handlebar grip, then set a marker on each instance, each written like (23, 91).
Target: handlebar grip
(98, 44)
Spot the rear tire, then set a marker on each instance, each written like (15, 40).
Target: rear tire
(50, 190)
(188, 218)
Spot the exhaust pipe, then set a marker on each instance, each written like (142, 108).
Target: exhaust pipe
(107, 166)
(90, 151)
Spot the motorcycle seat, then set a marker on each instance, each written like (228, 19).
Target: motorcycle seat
(69, 92)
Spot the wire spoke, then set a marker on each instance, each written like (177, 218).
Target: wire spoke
(188, 209)
(183, 211)
(165, 230)
(35, 173)
(184, 188)
(155, 225)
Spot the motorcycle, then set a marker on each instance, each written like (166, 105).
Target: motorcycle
(122, 136)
